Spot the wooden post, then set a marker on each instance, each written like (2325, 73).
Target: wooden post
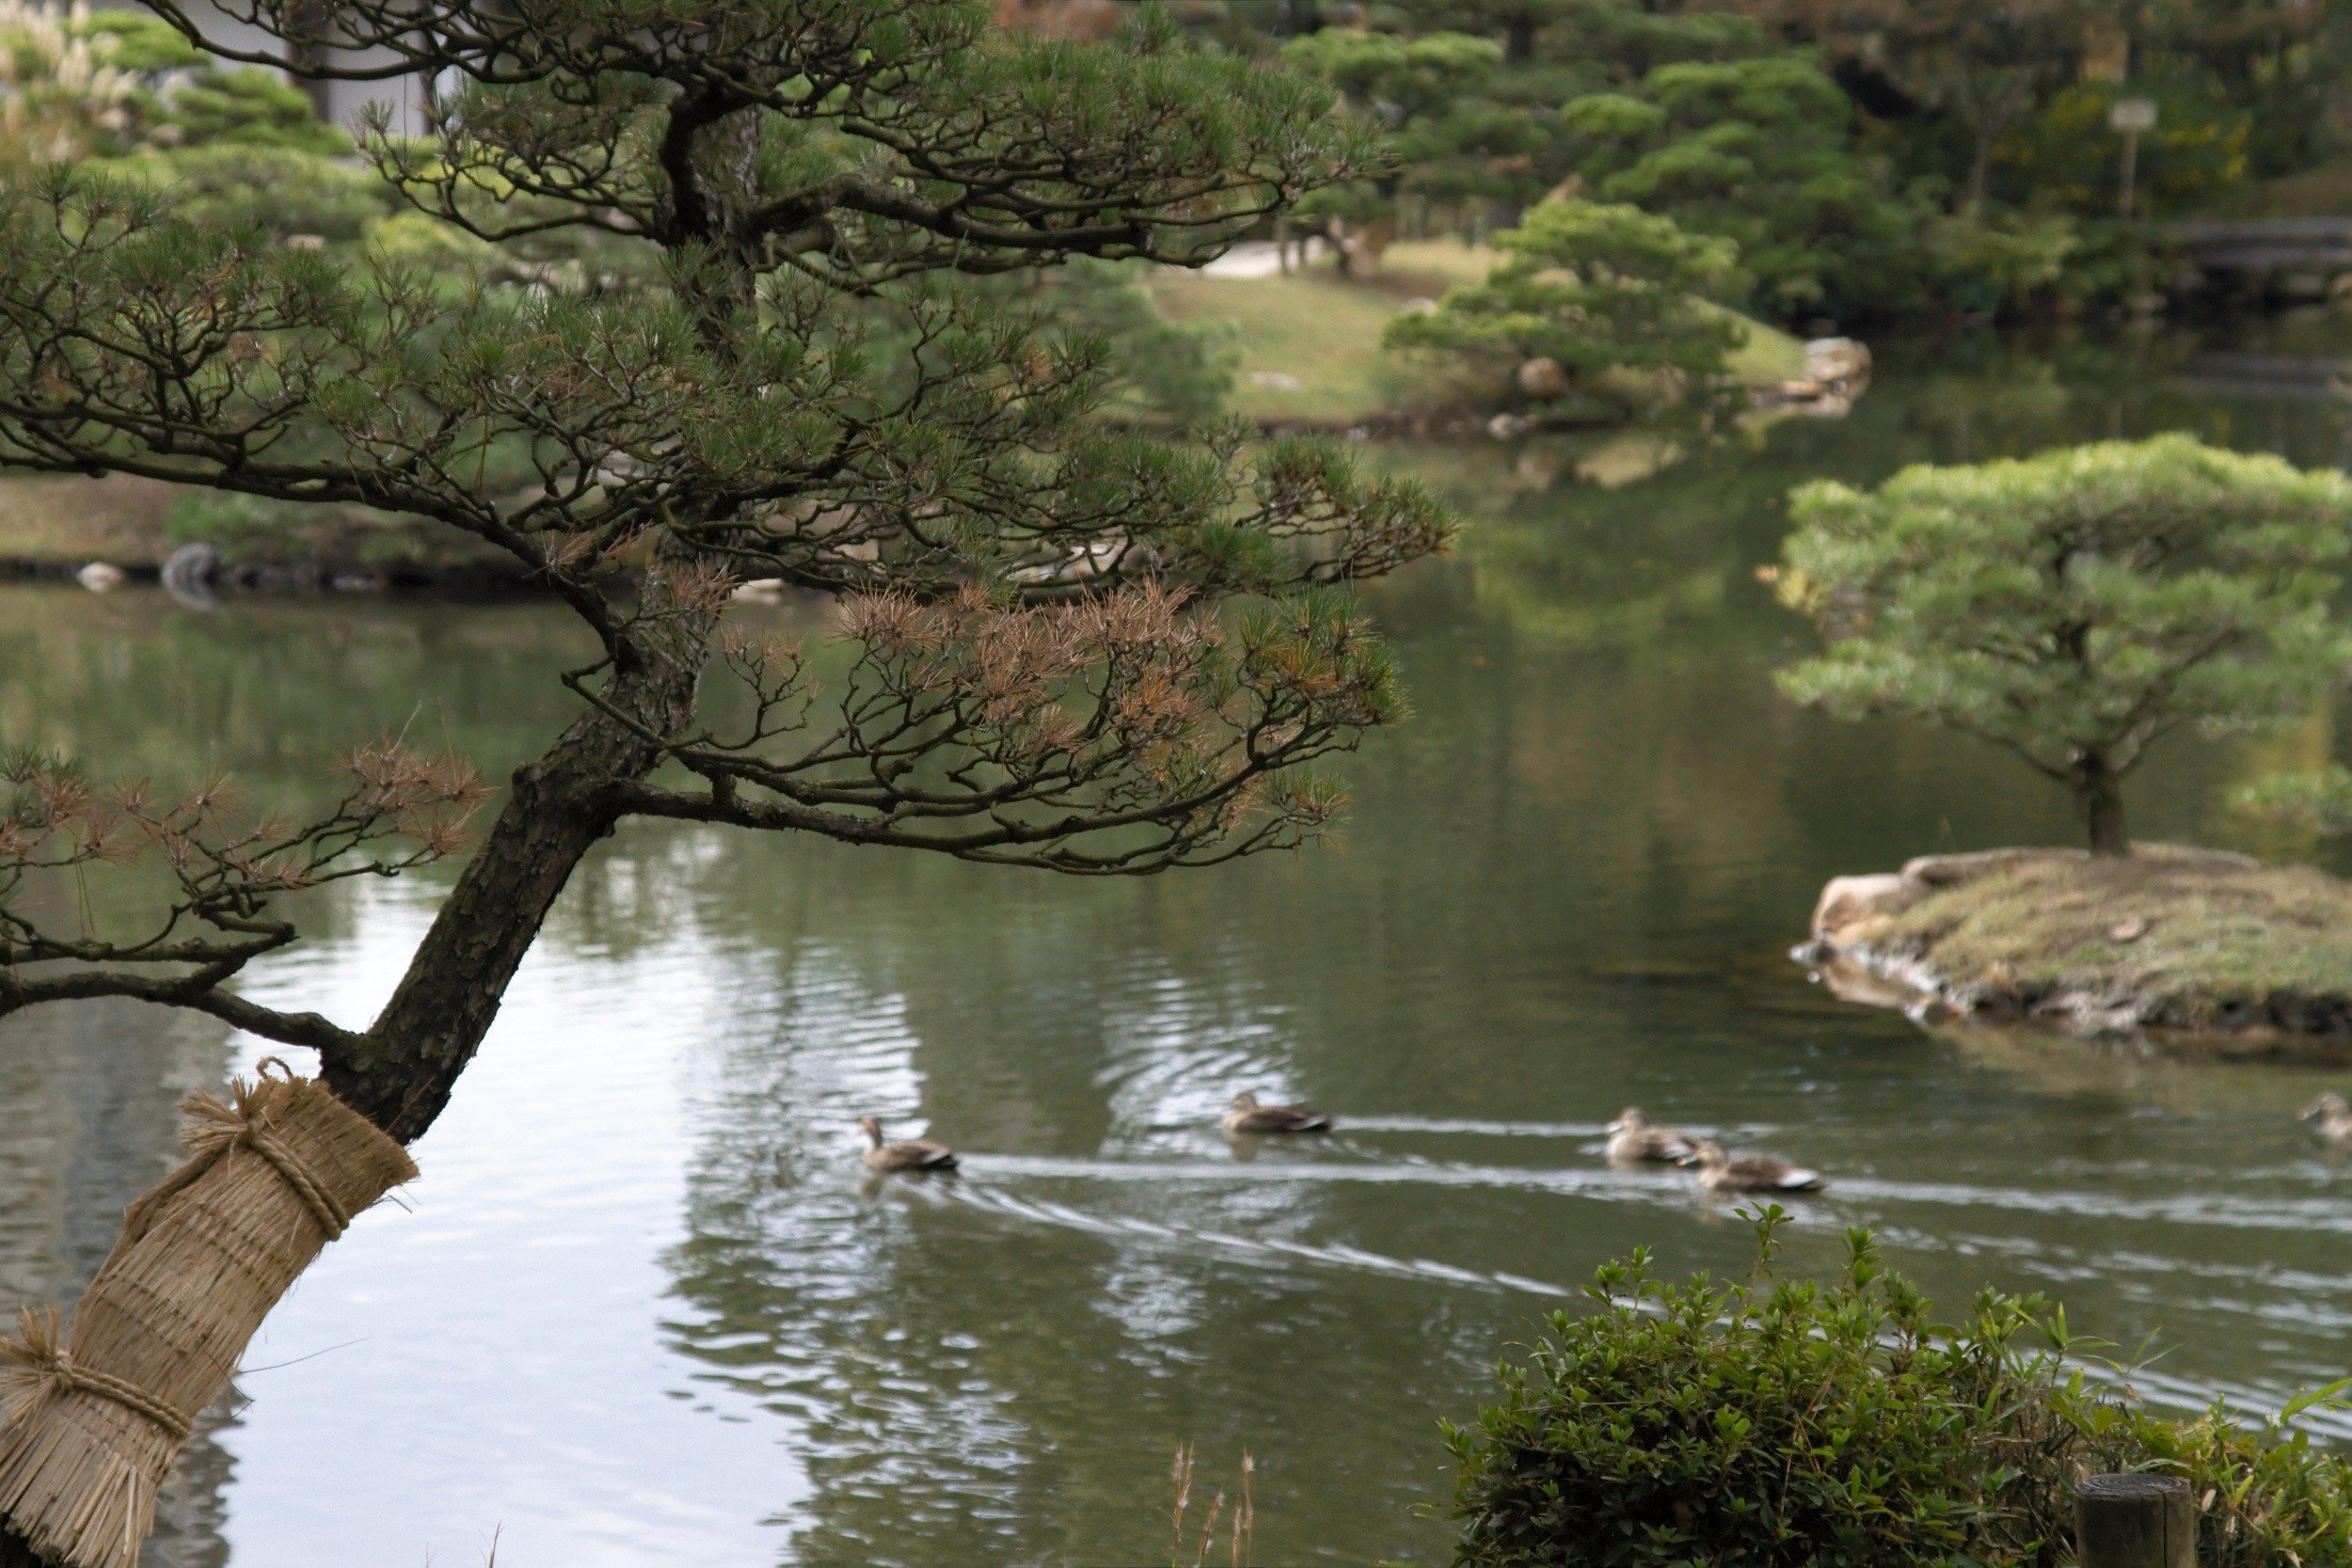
(2136, 1521)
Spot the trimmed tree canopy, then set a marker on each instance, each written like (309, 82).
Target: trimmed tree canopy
(2078, 606)
(1593, 285)
(1760, 152)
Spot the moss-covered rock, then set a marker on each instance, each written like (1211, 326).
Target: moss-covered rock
(2167, 938)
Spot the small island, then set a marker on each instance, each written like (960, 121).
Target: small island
(2075, 609)
(2167, 938)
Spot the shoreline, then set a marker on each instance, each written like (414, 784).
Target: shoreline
(2172, 943)
(317, 579)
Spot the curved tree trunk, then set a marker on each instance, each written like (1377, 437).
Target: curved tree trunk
(401, 1073)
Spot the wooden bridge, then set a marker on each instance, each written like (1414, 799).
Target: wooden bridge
(2259, 250)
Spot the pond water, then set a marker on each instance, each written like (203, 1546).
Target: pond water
(641, 1310)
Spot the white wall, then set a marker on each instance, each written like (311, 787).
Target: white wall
(343, 98)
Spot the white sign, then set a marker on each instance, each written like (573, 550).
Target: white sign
(2132, 116)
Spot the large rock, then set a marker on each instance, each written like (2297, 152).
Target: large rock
(189, 575)
(1849, 904)
(1839, 364)
(1542, 377)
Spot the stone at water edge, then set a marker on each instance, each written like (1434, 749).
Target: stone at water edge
(1849, 902)
(1839, 364)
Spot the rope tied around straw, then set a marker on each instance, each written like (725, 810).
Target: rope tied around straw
(215, 1129)
(92, 1416)
(40, 1367)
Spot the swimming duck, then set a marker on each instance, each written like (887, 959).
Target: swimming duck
(1247, 1116)
(906, 1154)
(1632, 1138)
(2331, 1116)
(1751, 1173)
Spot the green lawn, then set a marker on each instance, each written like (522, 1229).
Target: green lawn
(1323, 331)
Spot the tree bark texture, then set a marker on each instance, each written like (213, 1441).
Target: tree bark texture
(1979, 176)
(2098, 797)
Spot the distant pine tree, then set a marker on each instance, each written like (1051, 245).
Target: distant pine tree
(2077, 607)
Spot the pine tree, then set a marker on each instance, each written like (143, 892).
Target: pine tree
(1595, 286)
(2077, 607)
(1067, 645)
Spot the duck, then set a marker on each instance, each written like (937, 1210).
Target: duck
(2331, 1116)
(1247, 1116)
(915, 1154)
(1750, 1173)
(1631, 1139)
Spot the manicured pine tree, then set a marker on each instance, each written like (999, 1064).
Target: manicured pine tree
(1760, 149)
(772, 369)
(2077, 607)
(1595, 286)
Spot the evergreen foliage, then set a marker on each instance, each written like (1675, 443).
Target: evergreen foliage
(753, 292)
(745, 298)
(1595, 286)
(2319, 803)
(1759, 151)
(1871, 158)
(1463, 124)
(1177, 372)
(1792, 1425)
(78, 84)
(2076, 607)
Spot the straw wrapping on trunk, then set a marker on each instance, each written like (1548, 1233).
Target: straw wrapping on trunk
(94, 1419)
(39, 1366)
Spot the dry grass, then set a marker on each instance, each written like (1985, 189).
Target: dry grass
(2170, 924)
(1243, 1516)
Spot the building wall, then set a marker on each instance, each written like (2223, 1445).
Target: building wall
(345, 99)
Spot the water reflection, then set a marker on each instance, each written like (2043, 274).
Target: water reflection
(89, 1093)
(645, 1308)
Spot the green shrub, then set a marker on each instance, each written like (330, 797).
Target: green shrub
(77, 82)
(2197, 153)
(1779, 1425)
(226, 186)
(251, 107)
(2317, 802)
(1175, 371)
(1759, 151)
(2269, 1498)
(1999, 262)
(1596, 286)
